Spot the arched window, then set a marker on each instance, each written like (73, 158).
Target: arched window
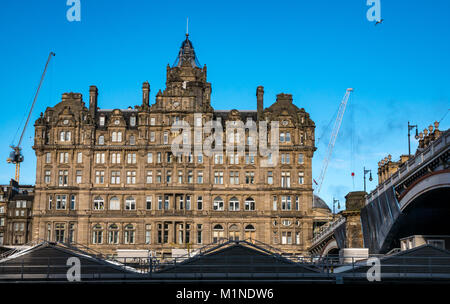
(97, 234)
(129, 234)
(250, 232)
(218, 204)
(114, 137)
(68, 136)
(233, 233)
(113, 234)
(101, 140)
(62, 136)
(130, 203)
(217, 233)
(249, 204)
(114, 203)
(99, 203)
(234, 204)
(132, 140)
(119, 136)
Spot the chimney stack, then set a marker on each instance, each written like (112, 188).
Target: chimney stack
(93, 95)
(260, 101)
(145, 94)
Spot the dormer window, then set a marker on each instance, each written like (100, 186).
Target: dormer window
(102, 121)
(133, 121)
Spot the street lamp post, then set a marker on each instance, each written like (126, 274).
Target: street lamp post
(334, 202)
(410, 127)
(370, 177)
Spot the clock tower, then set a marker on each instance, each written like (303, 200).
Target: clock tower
(187, 89)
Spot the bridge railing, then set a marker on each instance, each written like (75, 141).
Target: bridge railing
(412, 164)
(326, 230)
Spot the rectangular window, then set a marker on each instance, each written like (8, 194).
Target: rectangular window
(79, 176)
(47, 177)
(249, 177)
(148, 234)
(63, 178)
(218, 177)
(148, 203)
(200, 177)
(99, 177)
(149, 177)
(79, 157)
(190, 178)
(270, 177)
(249, 159)
(115, 177)
(234, 177)
(149, 158)
(297, 203)
(115, 158)
(300, 158)
(160, 202)
(199, 234)
(100, 158)
(200, 158)
(286, 203)
(72, 202)
(275, 203)
(131, 158)
(158, 177)
(64, 157)
(152, 136)
(152, 121)
(199, 203)
(131, 177)
(218, 159)
(188, 202)
(48, 158)
(285, 179)
(158, 157)
(166, 202)
(301, 178)
(61, 201)
(166, 137)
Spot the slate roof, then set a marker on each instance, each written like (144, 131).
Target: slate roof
(239, 257)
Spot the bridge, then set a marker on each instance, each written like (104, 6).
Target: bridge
(413, 200)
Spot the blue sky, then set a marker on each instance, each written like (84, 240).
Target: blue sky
(311, 49)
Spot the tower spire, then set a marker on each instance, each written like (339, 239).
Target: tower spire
(187, 26)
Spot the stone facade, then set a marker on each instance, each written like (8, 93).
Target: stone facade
(16, 203)
(107, 179)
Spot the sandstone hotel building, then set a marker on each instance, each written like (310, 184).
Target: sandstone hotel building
(107, 179)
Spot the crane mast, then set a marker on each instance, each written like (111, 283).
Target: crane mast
(16, 157)
(336, 127)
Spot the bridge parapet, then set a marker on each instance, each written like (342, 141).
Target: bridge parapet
(327, 230)
(411, 166)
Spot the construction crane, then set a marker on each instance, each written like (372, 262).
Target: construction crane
(16, 157)
(337, 125)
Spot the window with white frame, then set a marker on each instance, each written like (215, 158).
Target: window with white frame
(218, 204)
(99, 158)
(200, 177)
(286, 204)
(218, 177)
(99, 203)
(63, 178)
(100, 177)
(233, 204)
(149, 177)
(115, 158)
(48, 158)
(47, 176)
(130, 203)
(149, 158)
(79, 157)
(131, 177)
(79, 176)
(285, 179)
(115, 177)
(131, 158)
(250, 204)
(301, 178)
(148, 203)
(61, 202)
